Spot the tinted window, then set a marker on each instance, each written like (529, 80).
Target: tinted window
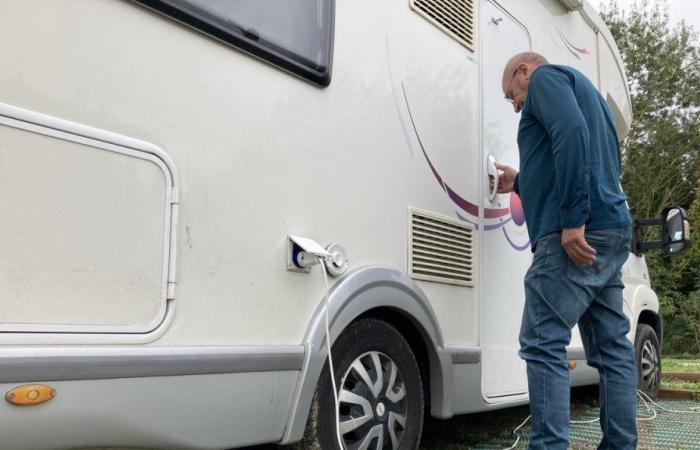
(296, 35)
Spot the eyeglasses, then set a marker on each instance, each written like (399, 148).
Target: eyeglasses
(510, 99)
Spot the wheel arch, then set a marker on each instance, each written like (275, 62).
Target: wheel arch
(653, 319)
(416, 337)
(379, 292)
(644, 308)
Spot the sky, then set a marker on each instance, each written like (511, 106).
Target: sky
(688, 10)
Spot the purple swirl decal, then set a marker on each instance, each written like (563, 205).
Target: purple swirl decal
(515, 208)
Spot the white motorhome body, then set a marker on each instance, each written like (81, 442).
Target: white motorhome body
(153, 165)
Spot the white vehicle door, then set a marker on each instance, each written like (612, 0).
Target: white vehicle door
(505, 247)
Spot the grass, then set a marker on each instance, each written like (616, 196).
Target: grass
(680, 365)
(680, 385)
(677, 365)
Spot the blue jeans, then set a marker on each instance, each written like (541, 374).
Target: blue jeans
(558, 295)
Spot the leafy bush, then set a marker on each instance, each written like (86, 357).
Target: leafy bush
(661, 154)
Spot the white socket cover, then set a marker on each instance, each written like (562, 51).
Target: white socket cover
(310, 246)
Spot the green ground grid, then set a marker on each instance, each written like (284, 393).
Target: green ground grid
(677, 431)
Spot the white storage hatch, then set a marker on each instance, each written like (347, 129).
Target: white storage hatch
(85, 232)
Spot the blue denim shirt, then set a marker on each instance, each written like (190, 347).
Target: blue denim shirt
(569, 156)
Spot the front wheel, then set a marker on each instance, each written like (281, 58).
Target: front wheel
(380, 392)
(648, 357)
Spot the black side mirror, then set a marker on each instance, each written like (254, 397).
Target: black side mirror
(675, 233)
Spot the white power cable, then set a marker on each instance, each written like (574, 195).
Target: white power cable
(583, 422)
(330, 358)
(649, 408)
(692, 410)
(640, 394)
(515, 432)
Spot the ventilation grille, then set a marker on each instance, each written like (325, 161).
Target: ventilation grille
(457, 18)
(440, 249)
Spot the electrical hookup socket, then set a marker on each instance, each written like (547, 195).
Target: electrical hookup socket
(302, 253)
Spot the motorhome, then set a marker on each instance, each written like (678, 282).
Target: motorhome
(171, 170)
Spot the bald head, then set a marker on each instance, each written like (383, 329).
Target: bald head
(516, 77)
(529, 58)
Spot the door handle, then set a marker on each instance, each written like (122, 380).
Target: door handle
(493, 173)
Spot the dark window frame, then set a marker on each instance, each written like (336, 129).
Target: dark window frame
(248, 44)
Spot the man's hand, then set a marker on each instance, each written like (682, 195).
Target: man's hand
(574, 242)
(506, 180)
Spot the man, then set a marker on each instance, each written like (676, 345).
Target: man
(579, 227)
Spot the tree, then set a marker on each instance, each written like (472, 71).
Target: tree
(661, 154)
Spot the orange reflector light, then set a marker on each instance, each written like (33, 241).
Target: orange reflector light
(572, 364)
(30, 394)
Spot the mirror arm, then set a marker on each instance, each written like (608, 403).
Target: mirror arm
(648, 222)
(639, 246)
(642, 247)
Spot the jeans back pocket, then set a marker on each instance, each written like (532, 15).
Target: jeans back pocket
(592, 275)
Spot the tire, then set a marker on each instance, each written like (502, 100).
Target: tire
(368, 344)
(648, 357)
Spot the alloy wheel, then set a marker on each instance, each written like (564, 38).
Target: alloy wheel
(649, 365)
(372, 403)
